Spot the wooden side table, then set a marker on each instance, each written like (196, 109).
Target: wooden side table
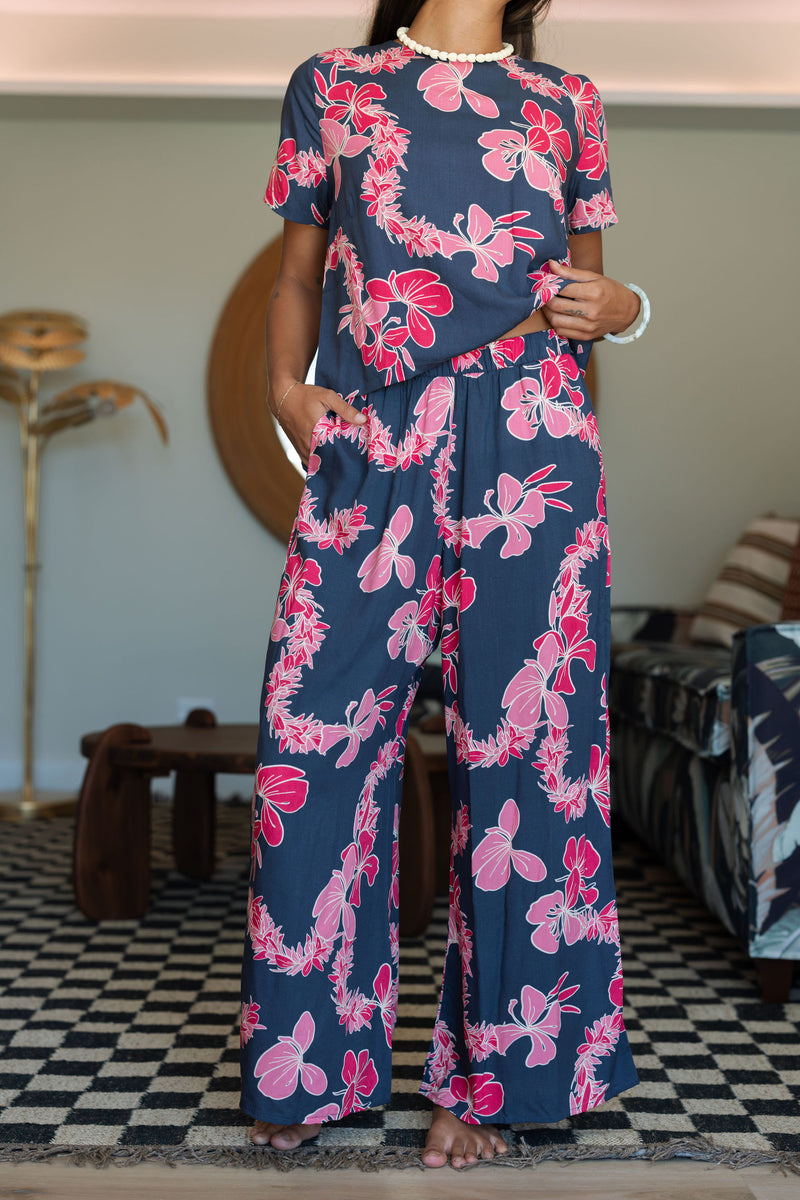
(111, 855)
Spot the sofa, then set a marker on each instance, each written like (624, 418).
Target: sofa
(705, 750)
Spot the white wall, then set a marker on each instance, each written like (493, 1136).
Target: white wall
(703, 51)
(139, 215)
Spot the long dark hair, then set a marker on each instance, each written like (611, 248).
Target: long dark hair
(519, 22)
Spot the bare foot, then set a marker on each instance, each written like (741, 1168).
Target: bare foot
(463, 1144)
(282, 1137)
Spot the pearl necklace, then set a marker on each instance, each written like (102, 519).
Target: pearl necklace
(418, 48)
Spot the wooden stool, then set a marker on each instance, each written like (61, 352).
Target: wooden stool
(111, 854)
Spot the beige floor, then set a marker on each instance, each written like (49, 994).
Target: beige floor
(550, 1181)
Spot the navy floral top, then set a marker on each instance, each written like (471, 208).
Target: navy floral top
(445, 188)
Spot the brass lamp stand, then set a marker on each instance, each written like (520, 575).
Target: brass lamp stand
(32, 343)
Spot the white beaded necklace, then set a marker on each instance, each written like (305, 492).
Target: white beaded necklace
(418, 48)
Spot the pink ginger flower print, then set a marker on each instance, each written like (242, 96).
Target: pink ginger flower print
(494, 857)
(584, 97)
(538, 1020)
(338, 141)
(491, 246)
(546, 136)
(520, 507)
(249, 1022)
(434, 406)
(552, 917)
(533, 401)
(405, 621)
(482, 1094)
(388, 352)
(572, 643)
(443, 87)
(556, 649)
(599, 782)
(376, 569)
(508, 150)
(347, 102)
(361, 1079)
(385, 988)
(280, 1068)
(368, 865)
(615, 989)
(465, 362)
(281, 789)
(458, 589)
(328, 1112)
(506, 351)
(278, 185)
(332, 907)
(581, 860)
(422, 293)
(528, 690)
(414, 623)
(594, 155)
(362, 717)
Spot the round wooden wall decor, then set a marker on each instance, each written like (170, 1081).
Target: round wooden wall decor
(244, 429)
(242, 425)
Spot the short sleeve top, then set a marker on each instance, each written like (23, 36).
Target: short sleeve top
(445, 188)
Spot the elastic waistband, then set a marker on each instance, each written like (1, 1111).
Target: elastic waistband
(505, 352)
(523, 350)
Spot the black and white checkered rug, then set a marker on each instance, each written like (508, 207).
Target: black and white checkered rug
(123, 1036)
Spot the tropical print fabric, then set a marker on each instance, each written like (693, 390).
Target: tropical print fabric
(445, 188)
(683, 691)
(468, 513)
(723, 812)
(766, 781)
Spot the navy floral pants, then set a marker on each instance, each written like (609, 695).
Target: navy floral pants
(467, 513)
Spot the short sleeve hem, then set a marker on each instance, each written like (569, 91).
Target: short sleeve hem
(298, 182)
(590, 204)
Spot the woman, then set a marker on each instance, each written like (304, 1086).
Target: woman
(442, 242)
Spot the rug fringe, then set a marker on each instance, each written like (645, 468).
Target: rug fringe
(392, 1157)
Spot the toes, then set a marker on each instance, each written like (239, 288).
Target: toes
(433, 1157)
(259, 1134)
(458, 1156)
(286, 1139)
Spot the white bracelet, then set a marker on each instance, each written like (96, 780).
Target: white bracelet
(645, 321)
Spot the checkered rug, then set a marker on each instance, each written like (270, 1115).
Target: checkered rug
(122, 1037)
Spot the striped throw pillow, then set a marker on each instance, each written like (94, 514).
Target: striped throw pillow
(750, 588)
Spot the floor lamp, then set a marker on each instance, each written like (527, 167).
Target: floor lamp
(33, 343)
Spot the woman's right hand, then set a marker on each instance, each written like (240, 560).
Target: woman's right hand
(303, 406)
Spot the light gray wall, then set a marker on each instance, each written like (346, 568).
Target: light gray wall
(157, 583)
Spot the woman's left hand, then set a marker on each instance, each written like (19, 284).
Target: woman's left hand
(591, 306)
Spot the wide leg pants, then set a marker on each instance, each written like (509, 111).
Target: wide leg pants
(467, 513)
